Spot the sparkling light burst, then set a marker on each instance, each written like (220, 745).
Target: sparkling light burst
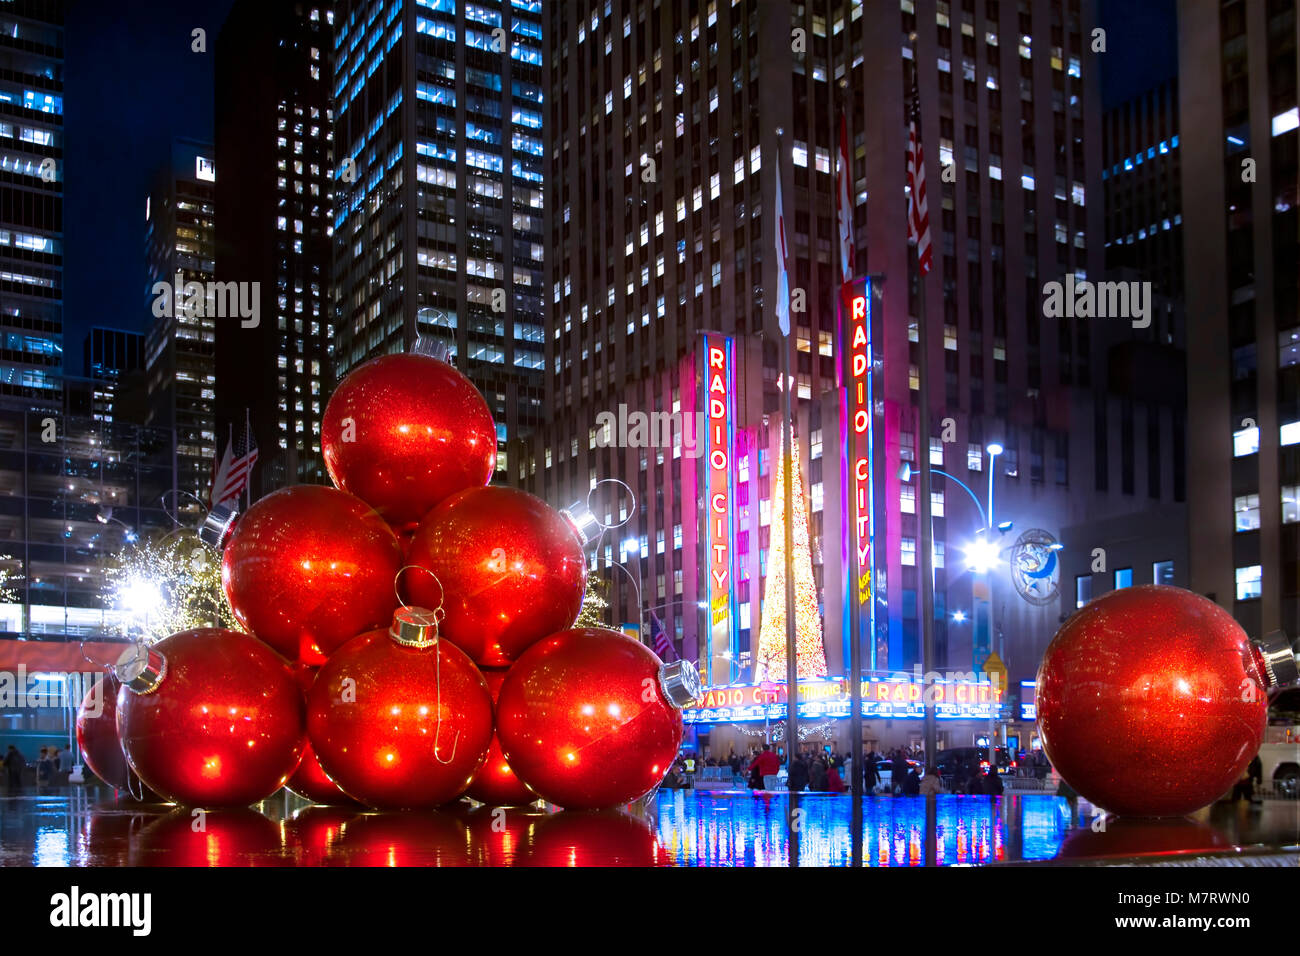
(167, 585)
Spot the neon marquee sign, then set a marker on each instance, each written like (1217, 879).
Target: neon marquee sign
(720, 383)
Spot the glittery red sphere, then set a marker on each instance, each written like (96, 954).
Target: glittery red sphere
(308, 568)
(404, 432)
(224, 726)
(400, 727)
(496, 784)
(97, 734)
(584, 722)
(310, 783)
(511, 566)
(1151, 701)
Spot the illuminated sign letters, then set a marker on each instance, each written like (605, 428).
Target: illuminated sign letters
(720, 382)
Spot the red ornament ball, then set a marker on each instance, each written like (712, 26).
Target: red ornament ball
(404, 432)
(1151, 701)
(400, 726)
(219, 723)
(496, 784)
(310, 783)
(97, 734)
(511, 570)
(309, 567)
(584, 719)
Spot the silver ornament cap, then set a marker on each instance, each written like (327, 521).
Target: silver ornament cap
(415, 627)
(584, 521)
(681, 683)
(1279, 658)
(141, 669)
(216, 527)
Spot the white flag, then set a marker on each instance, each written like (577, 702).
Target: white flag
(783, 276)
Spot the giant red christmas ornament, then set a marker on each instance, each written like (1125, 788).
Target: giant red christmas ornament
(309, 782)
(510, 570)
(309, 567)
(404, 432)
(398, 718)
(97, 734)
(210, 718)
(590, 719)
(1152, 700)
(495, 783)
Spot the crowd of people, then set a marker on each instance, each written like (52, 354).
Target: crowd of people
(51, 767)
(900, 772)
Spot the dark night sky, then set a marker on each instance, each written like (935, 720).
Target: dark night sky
(133, 84)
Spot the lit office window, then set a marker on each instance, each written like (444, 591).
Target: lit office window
(1162, 572)
(1245, 442)
(1123, 578)
(1246, 512)
(1082, 590)
(1249, 581)
(1290, 504)
(909, 552)
(974, 457)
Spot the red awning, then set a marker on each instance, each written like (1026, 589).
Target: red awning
(59, 655)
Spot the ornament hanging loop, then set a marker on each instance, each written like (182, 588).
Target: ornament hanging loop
(438, 612)
(418, 627)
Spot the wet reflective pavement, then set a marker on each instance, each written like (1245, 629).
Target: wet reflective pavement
(88, 826)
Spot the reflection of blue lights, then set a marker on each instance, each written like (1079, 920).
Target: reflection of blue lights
(749, 829)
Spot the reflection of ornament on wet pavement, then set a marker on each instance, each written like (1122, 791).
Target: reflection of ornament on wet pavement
(1035, 568)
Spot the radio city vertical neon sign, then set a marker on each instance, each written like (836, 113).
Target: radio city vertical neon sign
(860, 435)
(720, 390)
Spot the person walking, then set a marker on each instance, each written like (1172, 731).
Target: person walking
(14, 763)
(898, 773)
(834, 782)
(817, 774)
(931, 784)
(912, 783)
(797, 778)
(766, 764)
(44, 768)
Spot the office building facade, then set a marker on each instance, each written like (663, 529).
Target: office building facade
(31, 202)
(439, 175)
(180, 302)
(664, 155)
(275, 150)
(1240, 209)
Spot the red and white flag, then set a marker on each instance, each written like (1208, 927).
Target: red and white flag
(845, 206)
(659, 639)
(236, 468)
(918, 213)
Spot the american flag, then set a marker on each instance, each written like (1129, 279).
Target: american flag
(918, 213)
(236, 468)
(659, 639)
(846, 206)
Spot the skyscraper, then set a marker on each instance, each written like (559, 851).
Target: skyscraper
(275, 149)
(1240, 207)
(114, 363)
(179, 214)
(439, 172)
(664, 155)
(31, 201)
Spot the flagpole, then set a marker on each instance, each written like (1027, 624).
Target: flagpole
(248, 450)
(925, 545)
(787, 435)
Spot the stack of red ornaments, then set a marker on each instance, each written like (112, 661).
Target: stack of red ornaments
(467, 679)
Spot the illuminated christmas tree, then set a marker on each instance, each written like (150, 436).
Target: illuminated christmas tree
(809, 651)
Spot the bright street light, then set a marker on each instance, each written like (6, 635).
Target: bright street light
(959, 617)
(981, 555)
(631, 544)
(994, 449)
